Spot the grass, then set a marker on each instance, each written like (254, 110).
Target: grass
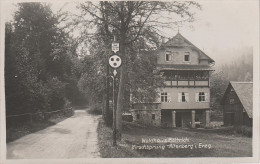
(105, 144)
(222, 142)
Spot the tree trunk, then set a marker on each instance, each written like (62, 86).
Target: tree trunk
(120, 97)
(106, 111)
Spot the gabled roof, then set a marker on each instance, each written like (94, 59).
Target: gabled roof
(173, 43)
(244, 91)
(183, 67)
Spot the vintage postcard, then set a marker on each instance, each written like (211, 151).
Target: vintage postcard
(129, 81)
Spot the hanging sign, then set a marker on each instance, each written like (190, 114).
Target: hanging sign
(115, 47)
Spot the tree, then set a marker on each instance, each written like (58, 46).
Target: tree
(131, 22)
(40, 71)
(219, 83)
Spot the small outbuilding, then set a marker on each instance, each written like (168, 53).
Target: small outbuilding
(238, 104)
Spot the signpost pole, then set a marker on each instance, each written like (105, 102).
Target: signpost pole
(114, 62)
(114, 113)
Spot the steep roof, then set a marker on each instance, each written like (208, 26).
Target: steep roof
(172, 42)
(183, 67)
(244, 91)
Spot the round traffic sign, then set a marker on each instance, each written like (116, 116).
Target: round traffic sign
(115, 61)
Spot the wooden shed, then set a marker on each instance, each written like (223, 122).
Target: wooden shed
(238, 104)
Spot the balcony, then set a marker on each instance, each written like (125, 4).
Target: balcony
(187, 83)
(186, 78)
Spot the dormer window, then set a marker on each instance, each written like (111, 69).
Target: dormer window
(168, 56)
(187, 57)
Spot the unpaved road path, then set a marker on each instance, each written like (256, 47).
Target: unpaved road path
(75, 137)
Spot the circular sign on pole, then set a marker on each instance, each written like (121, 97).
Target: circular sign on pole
(115, 61)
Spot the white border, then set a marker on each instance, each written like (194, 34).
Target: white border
(256, 122)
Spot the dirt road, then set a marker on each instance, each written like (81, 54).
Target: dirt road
(75, 137)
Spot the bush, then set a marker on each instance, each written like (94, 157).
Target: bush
(109, 119)
(96, 108)
(56, 94)
(127, 118)
(244, 130)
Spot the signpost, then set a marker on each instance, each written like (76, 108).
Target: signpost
(115, 47)
(115, 62)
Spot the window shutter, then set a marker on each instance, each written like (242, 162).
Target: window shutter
(179, 97)
(197, 97)
(187, 97)
(206, 97)
(131, 95)
(169, 97)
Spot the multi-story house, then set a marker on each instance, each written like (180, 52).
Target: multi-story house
(185, 98)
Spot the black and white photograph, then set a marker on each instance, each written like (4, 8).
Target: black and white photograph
(129, 81)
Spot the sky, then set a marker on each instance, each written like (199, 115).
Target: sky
(219, 26)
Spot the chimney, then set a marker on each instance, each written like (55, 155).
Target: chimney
(163, 40)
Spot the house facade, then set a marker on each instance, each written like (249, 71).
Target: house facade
(184, 101)
(237, 104)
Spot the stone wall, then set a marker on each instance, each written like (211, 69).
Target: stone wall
(149, 117)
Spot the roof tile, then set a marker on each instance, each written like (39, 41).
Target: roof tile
(244, 91)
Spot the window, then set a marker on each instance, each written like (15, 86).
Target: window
(182, 97)
(187, 57)
(138, 116)
(164, 97)
(168, 56)
(202, 97)
(231, 101)
(153, 116)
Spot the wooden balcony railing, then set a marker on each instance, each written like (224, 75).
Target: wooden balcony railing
(187, 83)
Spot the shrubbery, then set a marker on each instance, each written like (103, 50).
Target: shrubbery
(244, 130)
(96, 108)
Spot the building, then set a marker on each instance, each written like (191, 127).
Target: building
(185, 98)
(238, 104)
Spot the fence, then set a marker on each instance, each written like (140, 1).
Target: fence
(26, 117)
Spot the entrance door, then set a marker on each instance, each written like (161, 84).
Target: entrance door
(178, 119)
